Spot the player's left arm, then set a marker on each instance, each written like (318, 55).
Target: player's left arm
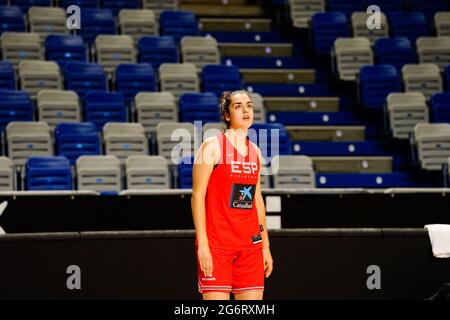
(260, 208)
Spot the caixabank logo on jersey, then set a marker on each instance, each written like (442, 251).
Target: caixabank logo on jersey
(242, 196)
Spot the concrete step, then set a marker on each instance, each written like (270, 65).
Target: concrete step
(304, 76)
(326, 133)
(219, 10)
(312, 104)
(352, 164)
(256, 49)
(235, 25)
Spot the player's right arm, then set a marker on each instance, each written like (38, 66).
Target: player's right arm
(205, 159)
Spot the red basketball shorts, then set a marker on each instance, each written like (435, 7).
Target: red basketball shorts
(233, 271)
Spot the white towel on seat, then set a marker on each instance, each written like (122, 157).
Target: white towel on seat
(2, 208)
(440, 239)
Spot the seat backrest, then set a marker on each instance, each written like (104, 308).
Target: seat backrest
(326, 28)
(137, 22)
(38, 67)
(359, 25)
(302, 10)
(27, 127)
(6, 174)
(293, 172)
(442, 22)
(12, 19)
(438, 129)
(154, 107)
(7, 76)
(17, 46)
(48, 173)
(93, 162)
(174, 69)
(15, 106)
(349, 44)
(406, 99)
(114, 129)
(65, 48)
(47, 20)
(175, 139)
(191, 41)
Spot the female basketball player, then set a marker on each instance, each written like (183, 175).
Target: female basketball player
(232, 243)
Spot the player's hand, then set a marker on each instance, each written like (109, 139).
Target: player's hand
(268, 262)
(205, 259)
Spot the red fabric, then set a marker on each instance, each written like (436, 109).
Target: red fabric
(233, 271)
(231, 217)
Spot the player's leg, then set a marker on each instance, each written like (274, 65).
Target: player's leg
(248, 275)
(218, 285)
(216, 296)
(249, 295)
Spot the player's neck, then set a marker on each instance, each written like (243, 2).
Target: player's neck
(237, 136)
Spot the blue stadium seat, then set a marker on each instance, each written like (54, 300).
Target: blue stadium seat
(26, 4)
(64, 49)
(410, 25)
(48, 173)
(217, 78)
(313, 118)
(395, 51)
(364, 180)
(157, 50)
(263, 139)
(429, 7)
(95, 22)
(134, 78)
(267, 62)
(7, 77)
(199, 107)
(347, 7)
(292, 90)
(11, 19)
(375, 83)
(326, 28)
(185, 173)
(14, 106)
(81, 3)
(117, 5)
(178, 24)
(102, 107)
(387, 6)
(338, 148)
(247, 37)
(440, 107)
(82, 77)
(77, 139)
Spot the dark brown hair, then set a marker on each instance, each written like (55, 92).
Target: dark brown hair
(225, 102)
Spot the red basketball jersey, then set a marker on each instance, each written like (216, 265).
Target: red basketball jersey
(231, 215)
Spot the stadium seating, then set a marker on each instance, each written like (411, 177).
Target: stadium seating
(432, 141)
(147, 173)
(395, 51)
(116, 5)
(411, 25)
(14, 106)
(157, 50)
(17, 46)
(359, 26)
(440, 107)
(265, 136)
(178, 78)
(83, 77)
(7, 76)
(96, 22)
(137, 23)
(160, 5)
(57, 106)
(124, 139)
(346, 7)
(24, 5)
(35, 75)
(155, 107)
(293, 172)
(178, 24)
(447, 77)
(200, 51)
(27, 139)
(442, 24)
(65, 48)
(113, 50)
(217, 78)
(405, 110)
(199, 107)
(48, 173)
(131, 79)
(45, 21)
(259, 111)
(301, 11)
(434, 50)
(77, 139)
(387, 6)
(175, 140)
(424, 78)
(102, 107)
(350, 55)
(428, 7)
(98, 173)
(6, 174)
(185, 173)
(81, 3)
(12, 19)
(326, 28)
(375, 83)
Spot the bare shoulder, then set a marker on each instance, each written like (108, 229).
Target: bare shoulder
(209, 150)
